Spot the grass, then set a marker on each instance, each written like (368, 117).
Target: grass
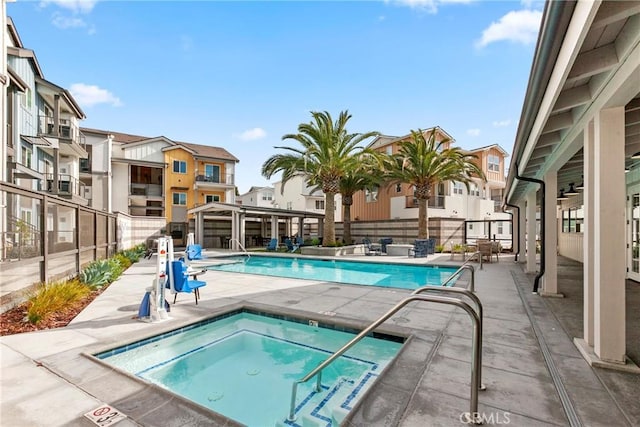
(53, 297)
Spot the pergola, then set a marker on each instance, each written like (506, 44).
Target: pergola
(238, 214)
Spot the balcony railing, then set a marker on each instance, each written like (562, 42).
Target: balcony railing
(67, 185)
(153, 190)
(433, 202)
(66, 130)
(215, 179)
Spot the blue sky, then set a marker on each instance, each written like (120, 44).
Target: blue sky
(239, 75)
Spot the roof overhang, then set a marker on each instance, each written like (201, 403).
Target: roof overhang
(49, 91)
(16, 81)
(219, 208)
(587, 58)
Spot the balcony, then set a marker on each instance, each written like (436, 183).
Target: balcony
(433, 202)
(70, 140)
(214, 180)
(147, 190)
(68, 186)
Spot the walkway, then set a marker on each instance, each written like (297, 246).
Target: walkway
(46, 381)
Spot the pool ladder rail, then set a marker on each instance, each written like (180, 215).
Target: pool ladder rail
(476, 314)
(241, 246)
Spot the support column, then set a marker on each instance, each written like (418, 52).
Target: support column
(531, 232)
(234, 226)
(241, 231)
(609, 238)
(199, 231)
(522, 232)
(301, 227)
(274, 227)
(550, 238)
(588, 233)
(320, 227)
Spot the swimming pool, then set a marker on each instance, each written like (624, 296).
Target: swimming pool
(243, 364)
(391, 275)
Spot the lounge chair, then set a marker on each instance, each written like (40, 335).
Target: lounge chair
(487, 249)
(182, 282)
(273, 245)
(291, 247)
(369, 249)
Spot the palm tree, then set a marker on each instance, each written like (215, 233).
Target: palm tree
(327, 154)
(366, 175)
(422, 162)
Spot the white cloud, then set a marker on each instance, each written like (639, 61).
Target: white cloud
(90, 95)
(251, 134)
(75, 6)
(430, 6)
(501, 123)
(520, 26)
(64, 22)
(473, 132)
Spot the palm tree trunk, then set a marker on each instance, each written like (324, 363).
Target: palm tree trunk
(347, 201)
(423, 220)
(329, 235)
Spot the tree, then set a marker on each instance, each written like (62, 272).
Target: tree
(366, 175)
(327, 154)
(422, 162)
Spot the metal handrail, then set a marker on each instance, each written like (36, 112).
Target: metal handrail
(241, 247)
(467, 266)
(475, 382)
(468, 293)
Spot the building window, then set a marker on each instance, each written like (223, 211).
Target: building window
(389, 149)
(473, 190)
(208, 198)
(267, 197)
(289, 205)
(212, 172)
(27, 156)
(180, 199)
(457, 188)
(493, 163)
(320, 204)
(573, 220)
(371, 195)
(398, 188)
(179, 166)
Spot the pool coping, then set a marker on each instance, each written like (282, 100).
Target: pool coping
(122, 380)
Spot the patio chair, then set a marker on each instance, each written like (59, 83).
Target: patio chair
(420, 248)
(273, 245)
(486, 249)
(182, 282)
(384, 242)
(194, 252)
(369, 249)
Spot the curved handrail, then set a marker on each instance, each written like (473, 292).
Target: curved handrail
(241, 247)
(468, 293)
(475, 383)
(467, 266)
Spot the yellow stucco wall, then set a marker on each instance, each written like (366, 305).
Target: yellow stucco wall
(178, 182)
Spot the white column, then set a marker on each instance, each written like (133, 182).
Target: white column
(588, 233)
(522, 232)
(274, 227)
(234, 226)
(531, 232)
(241, 231)
(199, 232)
(609, 238)
(550, 238)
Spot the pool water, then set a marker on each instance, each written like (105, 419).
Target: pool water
(391, 275)
(243, 366)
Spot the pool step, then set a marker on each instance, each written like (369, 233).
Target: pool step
(335, 403)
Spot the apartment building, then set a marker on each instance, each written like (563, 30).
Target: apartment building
(162, 177)
(448, 199)
(257, 196)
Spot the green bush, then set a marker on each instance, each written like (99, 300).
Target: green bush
(97, 274)
(439, 248)
(51, 298)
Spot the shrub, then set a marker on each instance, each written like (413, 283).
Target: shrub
(439, 248)
(124, 261)
(50, 298)
(97, 274)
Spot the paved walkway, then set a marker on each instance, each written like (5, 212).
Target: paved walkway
(47, 381)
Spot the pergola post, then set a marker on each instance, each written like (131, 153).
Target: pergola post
(531, 232)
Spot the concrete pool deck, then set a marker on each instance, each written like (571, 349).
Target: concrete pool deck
(46, 380)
